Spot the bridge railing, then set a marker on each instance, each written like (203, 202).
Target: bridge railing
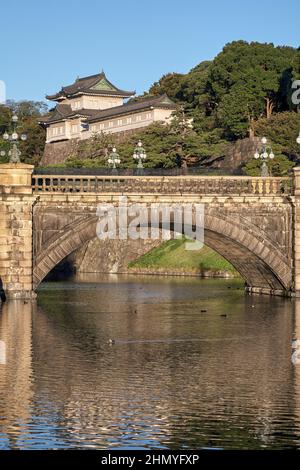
(219, 185)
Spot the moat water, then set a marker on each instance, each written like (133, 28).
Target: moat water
(178, 373)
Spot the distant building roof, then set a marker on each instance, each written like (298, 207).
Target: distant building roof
(161, 101)
(92, 85)
(64, 111)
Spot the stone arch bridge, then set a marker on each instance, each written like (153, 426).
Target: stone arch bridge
(253, 222)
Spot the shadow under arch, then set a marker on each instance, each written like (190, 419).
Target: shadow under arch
(254, 256)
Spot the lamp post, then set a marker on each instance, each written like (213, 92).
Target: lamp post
(264, 154)
(14, 139)
(139, 155)
(114, 160)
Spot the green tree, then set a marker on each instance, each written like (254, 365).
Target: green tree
(5, 118)
(252, 75)
(236, 112)
(27, 108)
(282, 129)
(28, 113)
(279, 166)
(171, 84)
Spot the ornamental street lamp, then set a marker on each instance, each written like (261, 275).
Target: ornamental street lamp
(114, 160)
(14, 139)
(264, 154)
(139, 155)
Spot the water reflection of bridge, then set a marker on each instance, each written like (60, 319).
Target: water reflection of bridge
(60, 368)
(16, 387)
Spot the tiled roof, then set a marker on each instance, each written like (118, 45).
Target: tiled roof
(94, 84)
(161, 101)
(64, 111)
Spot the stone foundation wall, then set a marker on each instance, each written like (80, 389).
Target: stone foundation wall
(110, 256)
(205, 274)
(237, 154)
(57, 152)
(235, 158)
(241, 152)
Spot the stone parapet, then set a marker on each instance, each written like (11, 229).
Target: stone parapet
(15, 178)
(152, 185)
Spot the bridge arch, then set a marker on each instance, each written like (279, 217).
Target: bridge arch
(253, 255)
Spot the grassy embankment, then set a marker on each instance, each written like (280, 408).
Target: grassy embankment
(172, 257)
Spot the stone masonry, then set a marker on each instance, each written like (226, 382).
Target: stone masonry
(253, 222)
(16, 229)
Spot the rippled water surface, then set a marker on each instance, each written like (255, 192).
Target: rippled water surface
(179, 374)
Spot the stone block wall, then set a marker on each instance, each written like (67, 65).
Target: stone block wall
(111, 256)
(58, 152)
(16, 202)
(235, 157)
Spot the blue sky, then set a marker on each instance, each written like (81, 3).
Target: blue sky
(47, 44)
